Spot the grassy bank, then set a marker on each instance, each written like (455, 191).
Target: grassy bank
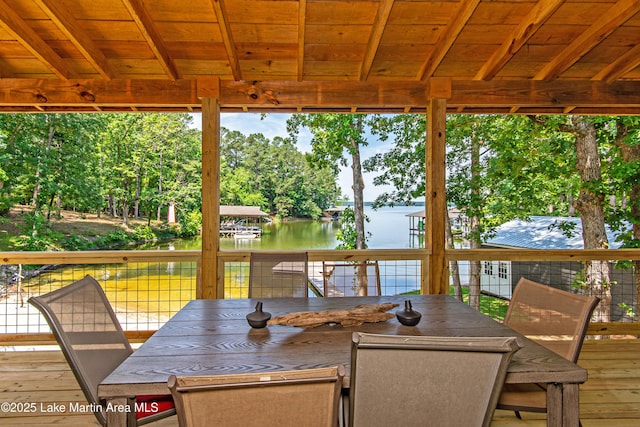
(85, 229)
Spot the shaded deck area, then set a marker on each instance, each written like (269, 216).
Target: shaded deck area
(610, 397)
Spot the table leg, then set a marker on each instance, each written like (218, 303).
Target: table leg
(563, 405)
(119, 412)
(571, 404)
(554, 405)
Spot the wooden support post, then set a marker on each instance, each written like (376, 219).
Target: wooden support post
(210, 287)
(435, 275)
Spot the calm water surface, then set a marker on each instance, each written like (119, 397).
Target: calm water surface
(388, 228)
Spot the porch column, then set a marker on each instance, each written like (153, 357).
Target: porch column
(435, 274)
(209, 93)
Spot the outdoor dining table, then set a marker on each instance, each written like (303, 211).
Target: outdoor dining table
(212, 337)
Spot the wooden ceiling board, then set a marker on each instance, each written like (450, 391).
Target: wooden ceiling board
(404, 52)
(326, 41)
(327, 52)
(395, 69)
(411, 34)
(422, 12)
(194, 68)
(580, 14)
(178, 11)
(273, 70)
(113, 30)
(499, 13)
(125, 49)
(189, 32)
(27, 9)
(13, 49)
(478, 34)
(253, 33)
(265, 51)
(346, 34)
(260, 11)
(96, 10)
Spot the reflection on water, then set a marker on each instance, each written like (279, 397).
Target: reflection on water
(289, 235)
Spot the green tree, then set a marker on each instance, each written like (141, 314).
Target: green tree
(273, 175)
(337, 138)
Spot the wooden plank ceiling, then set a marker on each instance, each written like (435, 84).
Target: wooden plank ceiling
(517, 56)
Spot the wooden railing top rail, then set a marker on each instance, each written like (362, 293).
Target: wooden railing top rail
(92, 257)
(541, 254)
(97, 257)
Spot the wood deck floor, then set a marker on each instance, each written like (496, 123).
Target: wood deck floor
(611, 397)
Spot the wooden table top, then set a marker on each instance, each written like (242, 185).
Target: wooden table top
(209, 337)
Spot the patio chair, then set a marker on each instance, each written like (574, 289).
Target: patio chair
(94, 344)
(555, 319)
(278, 274)
(425, 380)
(341, 280)
(307, 397)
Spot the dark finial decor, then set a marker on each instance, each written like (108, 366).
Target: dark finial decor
(259, 318)
(408, 316)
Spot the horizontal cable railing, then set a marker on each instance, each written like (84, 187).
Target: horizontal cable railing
(147, 287)
(497, 271)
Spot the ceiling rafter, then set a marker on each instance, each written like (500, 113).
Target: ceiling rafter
(446, 40)
(612, 19)
(379, 24)
(227, 38)
(620, 66)
(28, 38)
(536, 17)
(150, 33)
(302, 24)
(80, 38)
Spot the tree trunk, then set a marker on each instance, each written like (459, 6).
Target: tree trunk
(159, 210)
(136, 203)
(631, 155)
(358, 209)
(453, 265)
(474, 235)
(36, 186)
(590, 205)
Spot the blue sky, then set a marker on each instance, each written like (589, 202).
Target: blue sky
(275, 125)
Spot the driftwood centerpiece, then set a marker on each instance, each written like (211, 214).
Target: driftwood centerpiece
(355, 316)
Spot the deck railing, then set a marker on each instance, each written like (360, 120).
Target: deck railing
(147, 287)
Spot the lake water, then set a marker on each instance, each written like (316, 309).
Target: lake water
(388, 228)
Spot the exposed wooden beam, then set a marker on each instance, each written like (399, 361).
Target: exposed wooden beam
(302, 25)
(615, 16)
(150, 33)
(379, 24)
(54, 92)
(227, 38)
(549, 94)
(527, 28)
(81, 40)
(620, 66)
(499, 96)
(446, 40)
(27, 37)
